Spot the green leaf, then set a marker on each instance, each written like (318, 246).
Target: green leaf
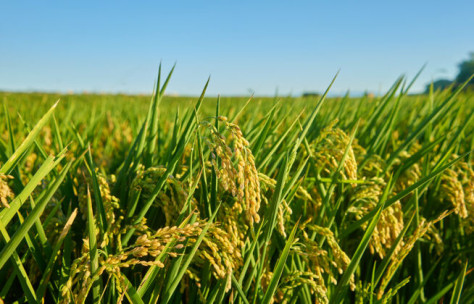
(169, 292)
(355, 260)
(29, 140)
(57, 247)
(10, 247)
(277, 272)
(456, 296)
(8, 213)
(94, 257)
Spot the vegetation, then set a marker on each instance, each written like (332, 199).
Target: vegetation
(466, 70)
(114, 198)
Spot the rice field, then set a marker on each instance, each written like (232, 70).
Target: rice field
(158, 199)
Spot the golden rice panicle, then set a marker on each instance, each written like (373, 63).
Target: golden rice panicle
(365, 198)
(243, 181)
(281, 220)
(229, 219)
(433, 234)
(152, 244)
(143, 252)
(319, 265)
(362, 292)
(469, 222)
(111, 207)
(373, 167)
(266, 182)
(322, 262)
(404, 248)
(465, 175)
(284, 209)
(169, 201)
(329, 149)
(30, 163)
(410, 175)
(457, 187)
(5, 192)
(247, 174)
(226, 173)
(388, 228)
(221, 252)
(386, 298)
(266, 278)
(47, 136)
(111, 204)
(79, 277)
(451, 189)
(340, 260)
(145, 180)
(295, 279)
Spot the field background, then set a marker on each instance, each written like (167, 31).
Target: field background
(164, 199)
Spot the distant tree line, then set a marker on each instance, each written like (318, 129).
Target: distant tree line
(466, 70)
(311, 94)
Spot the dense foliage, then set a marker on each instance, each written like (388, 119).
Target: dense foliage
(118, 198)
(466, 70)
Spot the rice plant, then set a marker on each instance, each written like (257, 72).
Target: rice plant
(110, 198)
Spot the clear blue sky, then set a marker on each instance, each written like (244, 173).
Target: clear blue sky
(295, 46)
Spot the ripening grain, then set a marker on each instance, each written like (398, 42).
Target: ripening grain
(107, 199)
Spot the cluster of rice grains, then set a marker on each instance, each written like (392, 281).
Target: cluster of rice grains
(6, 194)
(264, 207)
(241, 180)
(457, 188)
(147, 247)
(322, 262)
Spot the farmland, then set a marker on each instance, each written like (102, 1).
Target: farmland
(158, 199)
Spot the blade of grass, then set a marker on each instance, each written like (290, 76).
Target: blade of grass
(456, 296)
(355, 260)
(169, 292)
(20, 271)
(40, 291)
(278, 271)
(10, 247)
(94, 258)
(8, 213)
(15, 157)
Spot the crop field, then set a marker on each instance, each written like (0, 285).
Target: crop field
(160, 199)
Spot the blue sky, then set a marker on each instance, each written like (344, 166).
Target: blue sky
(260, 46)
